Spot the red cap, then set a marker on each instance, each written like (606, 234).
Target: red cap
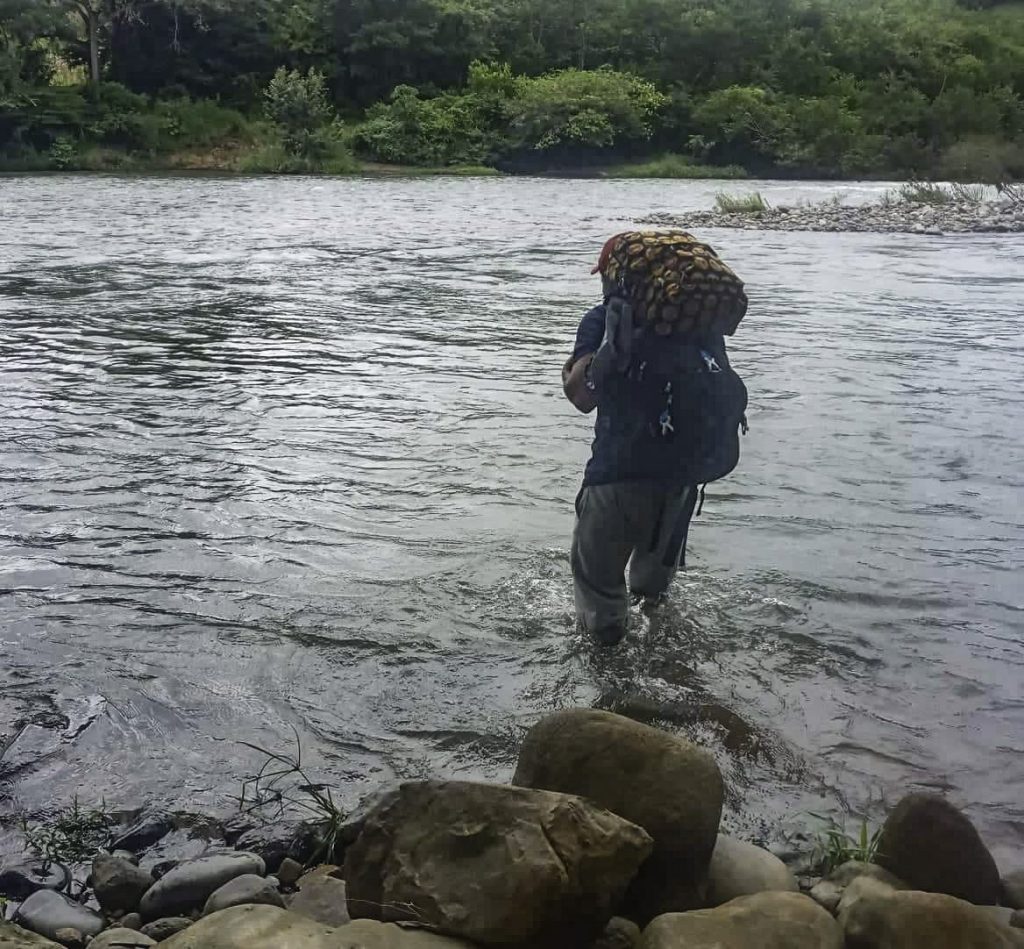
(606, 252)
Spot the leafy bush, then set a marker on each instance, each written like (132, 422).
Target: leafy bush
(675, 166)
(409, 130)
(297, 105)
(200, 124)
(63, 153)
(753, 203)
(274, 159)
(923, 192)
(579, 108)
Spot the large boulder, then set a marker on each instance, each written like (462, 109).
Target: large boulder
(496, 865)
(189, 885)
(741, 869)
(932, 846)
(118, 883)
(828, 892)
(267, 927)
(765, 920)
(875, 916)
(14, 937)
(46, 913)
(664, 784)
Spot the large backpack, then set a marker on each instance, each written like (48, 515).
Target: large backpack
(675, 414)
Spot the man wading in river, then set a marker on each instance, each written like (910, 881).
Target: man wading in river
(651, 359)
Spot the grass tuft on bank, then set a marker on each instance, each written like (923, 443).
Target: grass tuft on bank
(674, 166)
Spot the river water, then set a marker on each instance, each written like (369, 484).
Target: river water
(290, 456)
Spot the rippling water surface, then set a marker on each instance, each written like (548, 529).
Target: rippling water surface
(292, 454)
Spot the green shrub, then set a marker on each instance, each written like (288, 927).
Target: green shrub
(297, 105)
(923, 192)
(409, 130)
(200, 124)
(63, 153)
(273, 158)
(674, 166)
(582, 108)
(753, 203)
(983, 159)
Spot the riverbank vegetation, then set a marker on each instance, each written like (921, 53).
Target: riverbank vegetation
(631, 88)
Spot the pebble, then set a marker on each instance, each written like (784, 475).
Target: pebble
(162, 929)
(898, 217)
(70, 937)
(289, 871)
(132, 921)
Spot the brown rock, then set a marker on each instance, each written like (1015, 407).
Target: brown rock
(14, 937)
(932, 846)
(663, 783)
(267, 927)
(121, 938)
(289, 872)
(875, 916)
(741, 869)
(496, 865)
(118, 883)
(618, 934)
(1013, 890)
(763, 921)
(829, 891)
(321, 898)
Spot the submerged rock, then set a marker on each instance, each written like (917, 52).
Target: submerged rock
(930, 845)
(46, 912)
(189, 885)
(741, 869)
(146, 831)
(668, 786)
(241, 891)
(764, 921)
(119, 885)
(493, 864)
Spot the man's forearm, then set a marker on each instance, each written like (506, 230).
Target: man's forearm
(574, 384)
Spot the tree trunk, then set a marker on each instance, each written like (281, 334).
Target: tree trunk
(92, 25)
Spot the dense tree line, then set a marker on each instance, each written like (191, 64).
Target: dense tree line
(846, 87)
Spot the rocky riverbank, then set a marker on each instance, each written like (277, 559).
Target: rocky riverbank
(1003, 216)
(608, 838)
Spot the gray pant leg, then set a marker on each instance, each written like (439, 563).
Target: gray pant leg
(656, 558)
(601, 546)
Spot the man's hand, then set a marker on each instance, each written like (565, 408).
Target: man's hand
(574, 383)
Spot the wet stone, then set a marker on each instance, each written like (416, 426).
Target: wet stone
(162, 929)
(241, 891)
(21, 880)
(189, 885)
(46, 912)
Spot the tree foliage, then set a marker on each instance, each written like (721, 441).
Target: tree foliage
(785, 86)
